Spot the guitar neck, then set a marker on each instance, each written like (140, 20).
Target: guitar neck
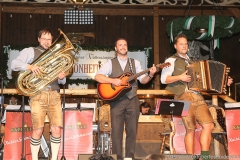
(137, 75)
(145, 71)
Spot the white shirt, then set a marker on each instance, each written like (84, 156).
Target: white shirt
(169, 70)
(106, 68)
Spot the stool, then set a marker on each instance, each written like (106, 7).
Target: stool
(222, 136)
(165, 135)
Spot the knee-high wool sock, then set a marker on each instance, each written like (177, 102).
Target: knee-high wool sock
(205, 155)
(35, 145)
(55, 144)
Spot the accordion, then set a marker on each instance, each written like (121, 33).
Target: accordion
(208, 76)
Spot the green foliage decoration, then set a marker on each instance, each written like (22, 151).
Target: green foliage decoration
(222, 27)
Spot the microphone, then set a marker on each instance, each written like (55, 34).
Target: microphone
(99, 64)
(21, 108)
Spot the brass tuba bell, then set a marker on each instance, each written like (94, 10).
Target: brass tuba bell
(57, 58)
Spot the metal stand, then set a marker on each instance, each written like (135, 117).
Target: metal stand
(170, 108)
(101, 138)
(22, 108)
(1, 113)
(63, 135)
(98, 149)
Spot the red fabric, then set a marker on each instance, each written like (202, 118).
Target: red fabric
(233, 133)
(78, 134)
(13, 136)
(178, 139)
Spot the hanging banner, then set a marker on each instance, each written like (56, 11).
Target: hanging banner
(13, 136)
(88, 62)
(178, 138)
(78, 134)
(233, 133)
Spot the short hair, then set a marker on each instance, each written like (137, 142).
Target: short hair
(45, 31)
(101, 157)
(144, 105)
(155, 157)
(119, 39)
(179, 36)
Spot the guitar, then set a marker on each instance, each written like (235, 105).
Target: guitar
(110, 92)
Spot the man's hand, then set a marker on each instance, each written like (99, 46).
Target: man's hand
(35, 69)
(184, 77)
(152, 70)
(116, 81)
(61, 75)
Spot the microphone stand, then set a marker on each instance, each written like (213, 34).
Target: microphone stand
(63, 157)
(79, 106)
(98, 150)
(1, 112)
(22, 108)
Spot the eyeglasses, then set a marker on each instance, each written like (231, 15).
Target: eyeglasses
(44, 39)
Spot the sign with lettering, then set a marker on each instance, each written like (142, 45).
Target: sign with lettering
(13, 136)
(88, 62)
(233, 133)
(78, 134)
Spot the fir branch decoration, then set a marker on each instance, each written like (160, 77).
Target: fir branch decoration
(223, 26)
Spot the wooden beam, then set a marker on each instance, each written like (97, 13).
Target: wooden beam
(111, 11)
(1, 26)
(156, 45)
(235, 12)
(12, 91)
(226, 98)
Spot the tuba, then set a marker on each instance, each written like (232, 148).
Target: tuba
(57, 58)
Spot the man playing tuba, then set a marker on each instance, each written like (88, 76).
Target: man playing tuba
(45, 102)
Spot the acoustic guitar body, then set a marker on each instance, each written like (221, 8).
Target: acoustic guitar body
(110, 92)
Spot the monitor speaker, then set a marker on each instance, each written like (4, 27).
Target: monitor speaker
(87, 156)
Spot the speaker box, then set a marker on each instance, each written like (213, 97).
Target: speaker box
(148, 139)
(87, 156)
(178, 156)
(144, 148)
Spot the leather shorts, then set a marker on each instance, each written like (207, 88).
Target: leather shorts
(198, 111)
(46, 103)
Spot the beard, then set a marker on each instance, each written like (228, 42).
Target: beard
(122, 53)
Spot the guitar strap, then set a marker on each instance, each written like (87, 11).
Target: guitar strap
(130, 64)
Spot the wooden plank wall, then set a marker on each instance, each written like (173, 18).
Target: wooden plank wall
(20, 29)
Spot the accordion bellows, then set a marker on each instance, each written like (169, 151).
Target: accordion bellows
(208, 76)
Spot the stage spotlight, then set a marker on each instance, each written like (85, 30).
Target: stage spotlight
(78, 16)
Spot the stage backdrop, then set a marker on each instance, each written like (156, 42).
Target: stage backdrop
(88, 62)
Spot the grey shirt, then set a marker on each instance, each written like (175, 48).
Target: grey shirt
(26, 57)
